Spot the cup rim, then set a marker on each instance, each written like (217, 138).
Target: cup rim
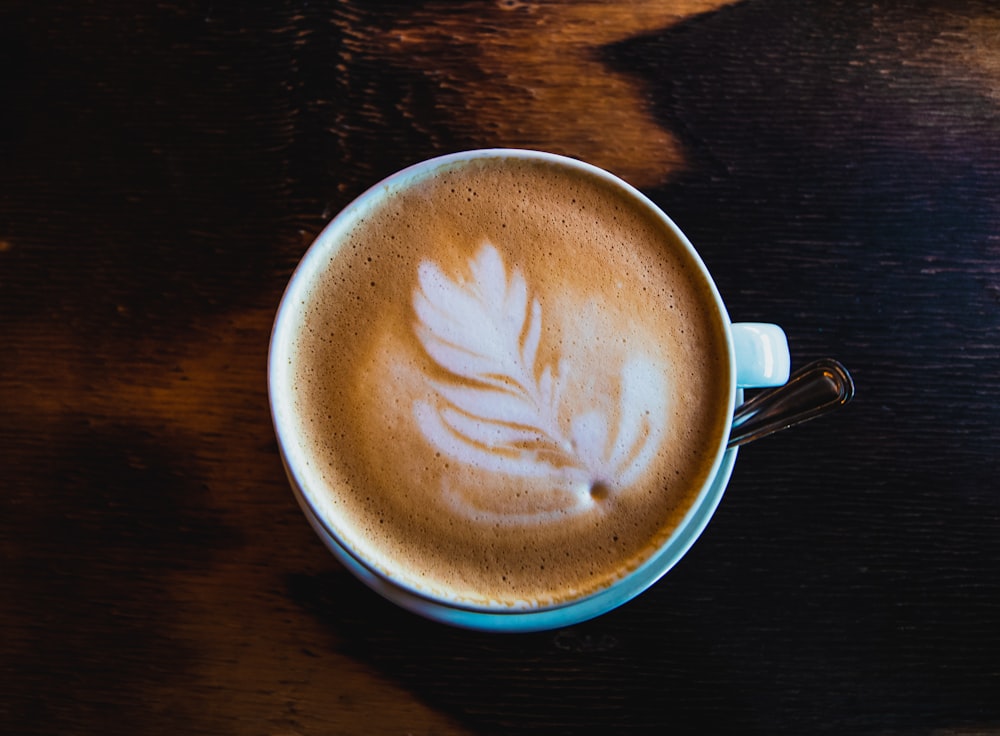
(666, 555)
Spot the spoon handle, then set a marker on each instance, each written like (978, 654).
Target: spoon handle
(811, 391)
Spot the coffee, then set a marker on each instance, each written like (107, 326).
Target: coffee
(504, 380)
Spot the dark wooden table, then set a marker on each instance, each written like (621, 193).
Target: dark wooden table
(163, 166)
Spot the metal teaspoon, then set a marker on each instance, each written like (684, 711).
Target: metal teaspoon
(811, 391)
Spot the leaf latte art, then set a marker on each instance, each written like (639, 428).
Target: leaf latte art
(504, 376)
(500, 410)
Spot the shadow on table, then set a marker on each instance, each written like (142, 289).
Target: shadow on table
(603, 675)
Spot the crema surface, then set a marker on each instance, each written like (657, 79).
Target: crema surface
(509, 381)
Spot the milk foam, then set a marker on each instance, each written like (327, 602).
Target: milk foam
(505, 379)
(500, 410)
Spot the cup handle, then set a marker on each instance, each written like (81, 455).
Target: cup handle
(762, 357)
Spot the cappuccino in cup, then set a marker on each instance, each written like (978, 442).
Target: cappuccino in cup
(501, 382)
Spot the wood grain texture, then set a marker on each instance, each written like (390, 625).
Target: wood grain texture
(529, 75)
(162, 169)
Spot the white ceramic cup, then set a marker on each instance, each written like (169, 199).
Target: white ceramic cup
(758, 355)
